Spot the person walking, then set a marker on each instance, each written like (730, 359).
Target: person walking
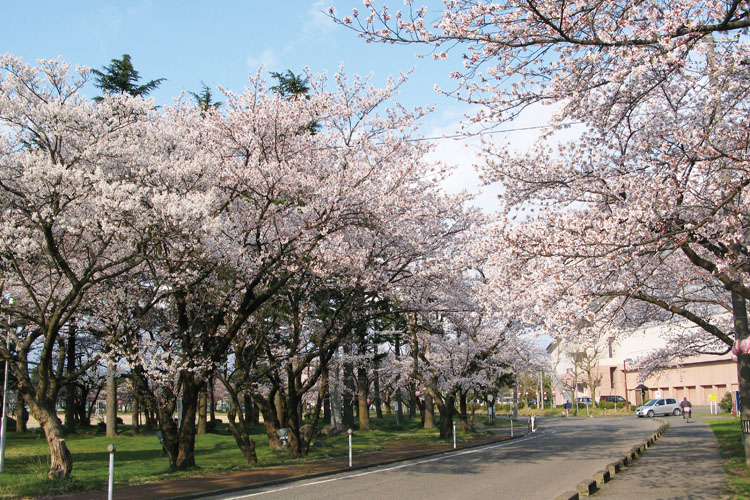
(687, 408)
(567, 407)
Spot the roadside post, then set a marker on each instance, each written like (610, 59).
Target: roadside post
(349, 431)
(454, 434)
(110, 488)
(511, 426)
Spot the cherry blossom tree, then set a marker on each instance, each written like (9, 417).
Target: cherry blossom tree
(71, 220)
(645, 207)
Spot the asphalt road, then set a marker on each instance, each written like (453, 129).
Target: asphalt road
(540, 466)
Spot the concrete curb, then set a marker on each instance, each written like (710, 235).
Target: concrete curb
(588, 487)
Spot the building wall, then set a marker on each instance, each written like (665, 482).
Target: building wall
(695, 379)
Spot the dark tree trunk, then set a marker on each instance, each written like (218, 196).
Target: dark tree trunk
(463, 411)
(739, 311)
(61, 461)
(22, 416)
(399, 403)
(326, 396)
(136, 414)
(429, 411)
(241, 437)
(349, 390)
(251, 415)
(376, 382)
(111, 401)
(270, 420)
(202, 411)
(70, 389)
(363, 405)
(168, 428)
(413, 403)
(294, 422)
(447, 410)
(239, 430)
(186, 449)
(212, 400)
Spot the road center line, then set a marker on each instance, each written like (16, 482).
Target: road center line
(395, 467)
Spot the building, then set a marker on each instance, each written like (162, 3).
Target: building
(610, 366)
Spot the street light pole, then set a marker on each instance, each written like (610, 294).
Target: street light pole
(4, 424)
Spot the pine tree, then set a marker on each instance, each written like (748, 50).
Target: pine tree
(120, 76)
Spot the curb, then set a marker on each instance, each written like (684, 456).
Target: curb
(590, 486)
(303, 477)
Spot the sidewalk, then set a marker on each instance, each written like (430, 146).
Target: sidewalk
(200, 486)
(685, 463)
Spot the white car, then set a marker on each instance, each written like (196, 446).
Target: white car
(663, 406)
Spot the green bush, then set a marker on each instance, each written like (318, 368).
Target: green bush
(606, 405)
(726, 402)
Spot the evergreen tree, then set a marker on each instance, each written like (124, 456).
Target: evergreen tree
(293, 86)
(120, 76)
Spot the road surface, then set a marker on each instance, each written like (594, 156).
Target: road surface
(540, 466)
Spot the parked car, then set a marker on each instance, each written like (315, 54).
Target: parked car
(584, 401)
(662, 406)
(612, 399)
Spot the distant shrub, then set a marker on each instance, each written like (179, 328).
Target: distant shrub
(726, 402)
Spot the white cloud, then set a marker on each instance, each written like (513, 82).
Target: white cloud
(267, 59)
(464, 153)
(316, 24)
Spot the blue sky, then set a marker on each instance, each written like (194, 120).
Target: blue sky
(220, 42)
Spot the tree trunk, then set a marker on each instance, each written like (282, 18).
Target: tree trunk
(412, 403)
(463, 411)
(70, 389)
(447, 409)
(362, 400)
(61, 461)
(202, 412)
(293, 421)
(270, 421)
(349, 389)
(429, 411)
(376, 384)
(186, 447)
(111, 401)
(399, 403)
(168, 429)
(22, 416)
(251, 415)
(739, 310)
(326, 395)
(136, 412)
(212, 400)
(241, 437)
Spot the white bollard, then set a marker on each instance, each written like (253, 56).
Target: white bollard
(511, 426)
(349, 431)
(110, 489)
(454, 435)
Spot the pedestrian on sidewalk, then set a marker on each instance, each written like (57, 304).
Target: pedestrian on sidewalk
(687, 408)
(567, 406)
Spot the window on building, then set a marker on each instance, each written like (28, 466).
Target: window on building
(612, 376)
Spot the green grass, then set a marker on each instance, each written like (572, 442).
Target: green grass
(138, 458)
(730, 442)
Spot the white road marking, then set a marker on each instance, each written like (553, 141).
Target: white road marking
(395, 467)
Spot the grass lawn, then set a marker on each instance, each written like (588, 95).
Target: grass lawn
(730, 442)
(138, 458)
